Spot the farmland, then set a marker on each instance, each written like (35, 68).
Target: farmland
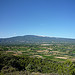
(53, 52)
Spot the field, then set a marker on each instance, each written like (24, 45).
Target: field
(57, 52)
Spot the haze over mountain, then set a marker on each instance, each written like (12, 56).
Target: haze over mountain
(32, 39)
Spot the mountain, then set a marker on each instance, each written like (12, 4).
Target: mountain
(31, 39)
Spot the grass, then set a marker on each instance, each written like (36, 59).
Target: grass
(51, 57)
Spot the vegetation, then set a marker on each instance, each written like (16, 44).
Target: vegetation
(57, 59)
(33, 39)
(10, 63)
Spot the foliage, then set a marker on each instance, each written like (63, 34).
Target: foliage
(26, 59)
(12, 63)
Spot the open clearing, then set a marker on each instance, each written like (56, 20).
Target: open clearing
(61, 57)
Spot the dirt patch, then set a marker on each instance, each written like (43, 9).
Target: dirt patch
(19, 52)
(39, 51)
(43, 51)
(38, 56)
(15, 54)
(55, 51)
(50, 48)
(73, 59)
(61, 57)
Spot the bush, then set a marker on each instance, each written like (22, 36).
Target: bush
(7, 69)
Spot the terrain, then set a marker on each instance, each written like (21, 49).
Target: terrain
(58, 52)
(27, 39)
(37, 55)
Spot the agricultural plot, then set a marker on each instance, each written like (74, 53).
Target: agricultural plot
(54, 52)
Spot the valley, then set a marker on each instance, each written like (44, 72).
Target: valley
(57, 52)
(35, 55)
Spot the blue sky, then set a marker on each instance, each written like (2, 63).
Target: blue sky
(37, 17)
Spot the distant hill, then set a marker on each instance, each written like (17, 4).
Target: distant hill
(31, 39)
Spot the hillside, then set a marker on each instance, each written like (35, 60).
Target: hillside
(37, 59)
(27, 39)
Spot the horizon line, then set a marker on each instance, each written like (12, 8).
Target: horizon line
(37, 35)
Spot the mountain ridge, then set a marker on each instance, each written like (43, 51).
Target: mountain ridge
(37, 36)
(27, 39)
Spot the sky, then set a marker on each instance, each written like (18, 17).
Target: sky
(54, 18)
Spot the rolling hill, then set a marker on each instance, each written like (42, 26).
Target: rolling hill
(31, 39)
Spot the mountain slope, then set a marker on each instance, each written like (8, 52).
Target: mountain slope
(27, 39)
